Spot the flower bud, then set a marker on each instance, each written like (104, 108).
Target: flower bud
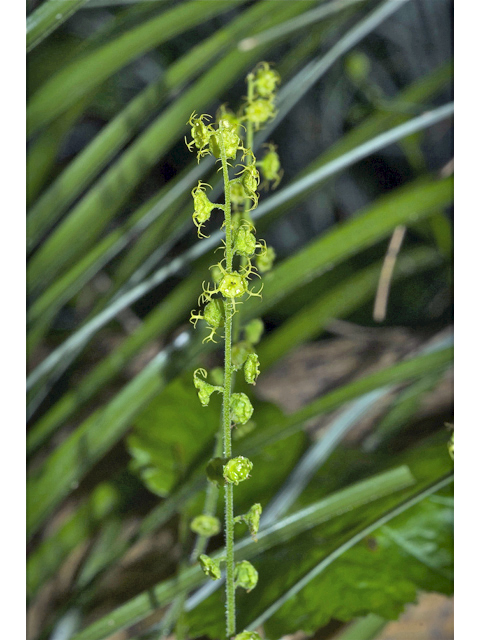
(247, 635)
(270, 166)
(241, 409)
(237, 469)
(260, 111)
(214, 313)
(245, 242)
(245, 575)
(266, 80)
(205, 525)
(251, 368)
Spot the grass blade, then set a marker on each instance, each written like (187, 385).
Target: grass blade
(348, 544)
(84, 75)
(48, 17)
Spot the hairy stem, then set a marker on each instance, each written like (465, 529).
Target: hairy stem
(227, 437)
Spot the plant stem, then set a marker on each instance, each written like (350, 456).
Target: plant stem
(227, 437)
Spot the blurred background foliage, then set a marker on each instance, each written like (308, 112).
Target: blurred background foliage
(353, 410)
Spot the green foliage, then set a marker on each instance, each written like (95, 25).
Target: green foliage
(118, 442)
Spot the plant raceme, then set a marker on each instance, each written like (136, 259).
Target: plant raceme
(230, 140)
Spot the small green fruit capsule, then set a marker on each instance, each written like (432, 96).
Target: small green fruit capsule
(247, 635)
(254, 331)
(210, 567)
(203, 388)
(251, 368)
(214, 313)
(265, 260)
(205, 525)
(237, 469)
(266, 80)
(232, 285)
(241, 409)
(215, 470)
(246, 576)
(260, 111)
(245, 241)
(240, 353)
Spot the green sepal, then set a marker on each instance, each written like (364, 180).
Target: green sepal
(251, 368)
(211, 568)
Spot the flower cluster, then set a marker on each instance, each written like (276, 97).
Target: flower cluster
(230, 140)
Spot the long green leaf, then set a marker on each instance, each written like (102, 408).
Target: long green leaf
(48, 17)
(125, 125)
(344, 500)
(84, 75)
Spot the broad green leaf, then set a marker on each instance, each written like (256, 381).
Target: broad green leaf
(276, 428)
(346, 500)
(379, 575)
(48, 17)
(170, 433)
(82, 76)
